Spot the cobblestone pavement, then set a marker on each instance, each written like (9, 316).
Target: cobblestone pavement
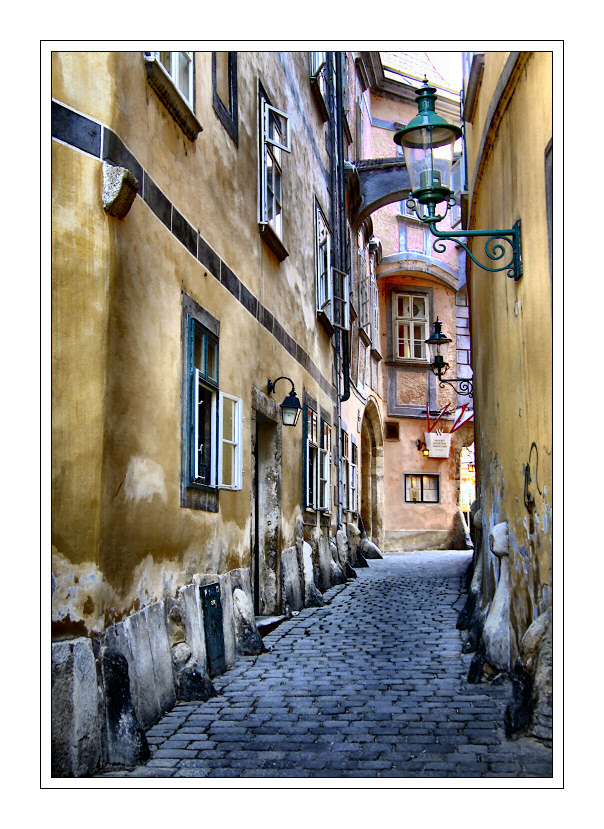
(371, 685)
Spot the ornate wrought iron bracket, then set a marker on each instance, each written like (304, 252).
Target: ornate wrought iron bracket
(465, 386)
(499, 245)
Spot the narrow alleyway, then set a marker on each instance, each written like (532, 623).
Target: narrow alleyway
(373, 684)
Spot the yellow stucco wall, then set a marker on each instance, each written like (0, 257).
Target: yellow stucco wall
(512, 326)
(121, 538)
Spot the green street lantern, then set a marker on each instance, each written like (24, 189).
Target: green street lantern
(428, 142)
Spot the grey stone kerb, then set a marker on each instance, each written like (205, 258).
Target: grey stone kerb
(375, 183)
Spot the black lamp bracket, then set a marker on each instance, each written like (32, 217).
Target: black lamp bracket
(272, 383)
(462, 385)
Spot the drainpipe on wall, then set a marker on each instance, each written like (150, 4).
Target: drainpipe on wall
(334, 119)
(340, 56)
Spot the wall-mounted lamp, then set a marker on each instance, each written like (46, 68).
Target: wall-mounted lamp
(290, 408)
(428, 142)
(438, 347)
(421, 447)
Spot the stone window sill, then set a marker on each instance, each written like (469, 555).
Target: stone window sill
(171, 98)
(273, 241)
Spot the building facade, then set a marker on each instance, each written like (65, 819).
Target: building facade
(403, 286)
(508, 127)
(214, 252)
(198, 253)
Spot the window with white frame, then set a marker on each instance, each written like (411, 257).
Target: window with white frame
(362, 373)
(324, 471)
(422, 489)
(364, 288)
(311, 457)
(456, 187)
(172, 76)
(318, 80)
(229, 456)
(410, 319)
(179, 67)
(353, 485)
(341, 299)
(345, 468)
(275, 139)
(323, 265)
(375, 305)
(215, 418)
(317, 461)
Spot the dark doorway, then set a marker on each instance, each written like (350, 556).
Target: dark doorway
(266, 515)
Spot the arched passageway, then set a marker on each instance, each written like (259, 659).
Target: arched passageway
(372, 474)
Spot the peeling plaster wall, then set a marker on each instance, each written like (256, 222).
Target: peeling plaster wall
(512, 330)
(121, 538)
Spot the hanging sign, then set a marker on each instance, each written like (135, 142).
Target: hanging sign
(438, 444)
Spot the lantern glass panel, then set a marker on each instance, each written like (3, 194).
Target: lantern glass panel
(438, 349)
(429, 157)
(290, 415)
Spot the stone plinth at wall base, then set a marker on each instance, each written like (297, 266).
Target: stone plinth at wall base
(461, 534)
(312, 596)
(497, 627)
(414, 540)
(292, 585)
(77, 728)
(369, 550)
(530, 710)
(105, 694)
(143, 639)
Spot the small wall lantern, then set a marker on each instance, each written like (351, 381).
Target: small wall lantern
(438, 348)
(421, 447)
(428, 142)
(290, 408)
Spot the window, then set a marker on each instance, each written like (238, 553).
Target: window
(375, 307)
(229, 459)
(179, 66)
(215, 418)
(364, 292)
(457, 188)
(341, 299)
(410, 314)
(317, 461)
(423, 489)
(353, 486)
(224, 91)
(345, 468)
(369, 312)
(362, 375)
(333, 285)
(318, 81)
(171, 75)
(275, 138)
(392, 430)
(325, 467)
(311, 452)
(323, 266)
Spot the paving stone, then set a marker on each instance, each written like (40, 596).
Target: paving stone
(373, 684)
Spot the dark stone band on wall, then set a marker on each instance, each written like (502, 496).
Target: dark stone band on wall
(89, 136)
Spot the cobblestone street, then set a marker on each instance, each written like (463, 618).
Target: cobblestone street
(371, 685)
